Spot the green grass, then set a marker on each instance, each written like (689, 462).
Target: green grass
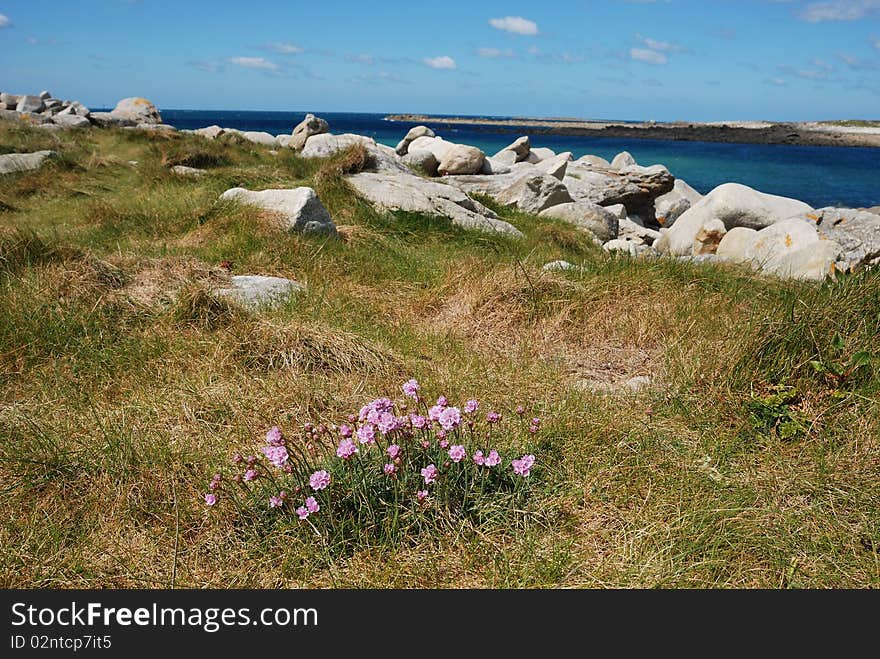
(125, 383)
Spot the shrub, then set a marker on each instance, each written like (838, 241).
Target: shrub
(391, 471)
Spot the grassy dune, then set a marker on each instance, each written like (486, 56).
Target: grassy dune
(753, 461)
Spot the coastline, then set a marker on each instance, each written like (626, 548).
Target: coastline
(754, 132)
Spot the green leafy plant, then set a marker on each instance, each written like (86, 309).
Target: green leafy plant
(775, 416)
(837, 368)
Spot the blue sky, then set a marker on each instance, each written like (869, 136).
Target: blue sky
(628, 59)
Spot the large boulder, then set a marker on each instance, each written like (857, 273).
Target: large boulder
(399, 191)
(555, 166)
(436, 145)
(622, 160)
(380, 156)
(857, 233)
(593, 161)
(139, 110)
(670, 206)
(708, 237)
(518, 151)
(422, 161)
(736, 245)
(461, 159)
(597, 220)
(308, 127)
(210, 132)
(633, 231)
(300, 208)
(23, 162)
(260, 137)
(30, 103)
(110, 120)
(492, 167)
(634, 187)
(736, 206)
(256, 291)
(541, 153)
(9, 101)
(534, 193)
(71, 121)
(413, 134)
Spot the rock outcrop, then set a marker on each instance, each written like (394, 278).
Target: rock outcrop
(300, 209)
(138, 110)
(308, 127)
(255, 291)
(23, 162)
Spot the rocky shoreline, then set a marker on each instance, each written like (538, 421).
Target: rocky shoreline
(643, 212)
(803, 134)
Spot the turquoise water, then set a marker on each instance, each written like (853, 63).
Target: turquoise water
(820, 176)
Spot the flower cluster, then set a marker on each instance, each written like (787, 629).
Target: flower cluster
(389, 454)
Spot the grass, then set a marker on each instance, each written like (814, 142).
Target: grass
(125, 383)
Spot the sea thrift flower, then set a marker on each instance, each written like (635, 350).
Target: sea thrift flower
(275, 502)
(389, 469)
(214, 485)
(522, 466)
(444, 443)
(237, 458)
(393, 451)
(210, 499)
(345, 430)
(411, 389)
(493, 459)
(429, 473)
(346, 449)
(449, 418)
(303, 512)
(425, 443)
(442, 401)
(520, 410)
(457, 453)
(319, 480)
(273, 437)
(493, 417)
(479, 458)
(277, 455)
(471, 406)
(387, 422)
(422, 495)
(418, 421)
(251, 459)
(434, 412)
(250, 475)
(312, 505)
(366, 434)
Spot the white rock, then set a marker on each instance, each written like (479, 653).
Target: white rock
(597, 220)
(23, 162)
(774, 242)
(534, 193)
(194, 172)
(621, 245)
(308, 127)
(708, 237)
(559, 266)
(110, 120)
(811, 263)
(461, 159)
(382, 157)
(436, 145)
(635, 232)
(520, 150)
(555, 166)
(71, 121)
(30, 104)
(618, 210)
(737, 244)
(413, 134)
(138, 110)
(623, 159)
(259, 137)
(45, 95)
(673, 204)
(542, 153)
(506, 157)
(258, 291)
(593, 161)
(210, 132)
(301, 209)
(283, 141)
(736, 206)
(398, 191)
(421, 160)
(492, 167)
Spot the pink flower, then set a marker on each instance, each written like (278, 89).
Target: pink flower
(250, 475)
(429, 473)
(411, 389)
(277, 455)
(273, 437)
(479, 458)
(346, 449)
(210, 499)
(214, 485)
(442, 401)
(471, 406)
(387, 422)
(319, 480)
(434, 412)
(418, 421)
(426, 443)
(389, 469)
(536, 421)
(366, 434)
(345, 430)
(393, 451)
(449, 418)
(312, 505)
(422, 495)
(493, 459)
(493, 417)
(444, 443)
(237, 458)
(522, 466)
(276, 502)
(520, 410)
(303, 512)
(457, 453)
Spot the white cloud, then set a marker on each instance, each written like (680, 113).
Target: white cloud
(858, 64)
(492, 53)
(285, 48)
(254, 63)
(876, 42)
(662, 46)
(4, 21)
(649, 56)
(776, 82)
(839, 10)
(441, 62)
(362, 58)
(515, 25)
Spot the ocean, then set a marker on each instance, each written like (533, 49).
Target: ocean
(820, 176)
